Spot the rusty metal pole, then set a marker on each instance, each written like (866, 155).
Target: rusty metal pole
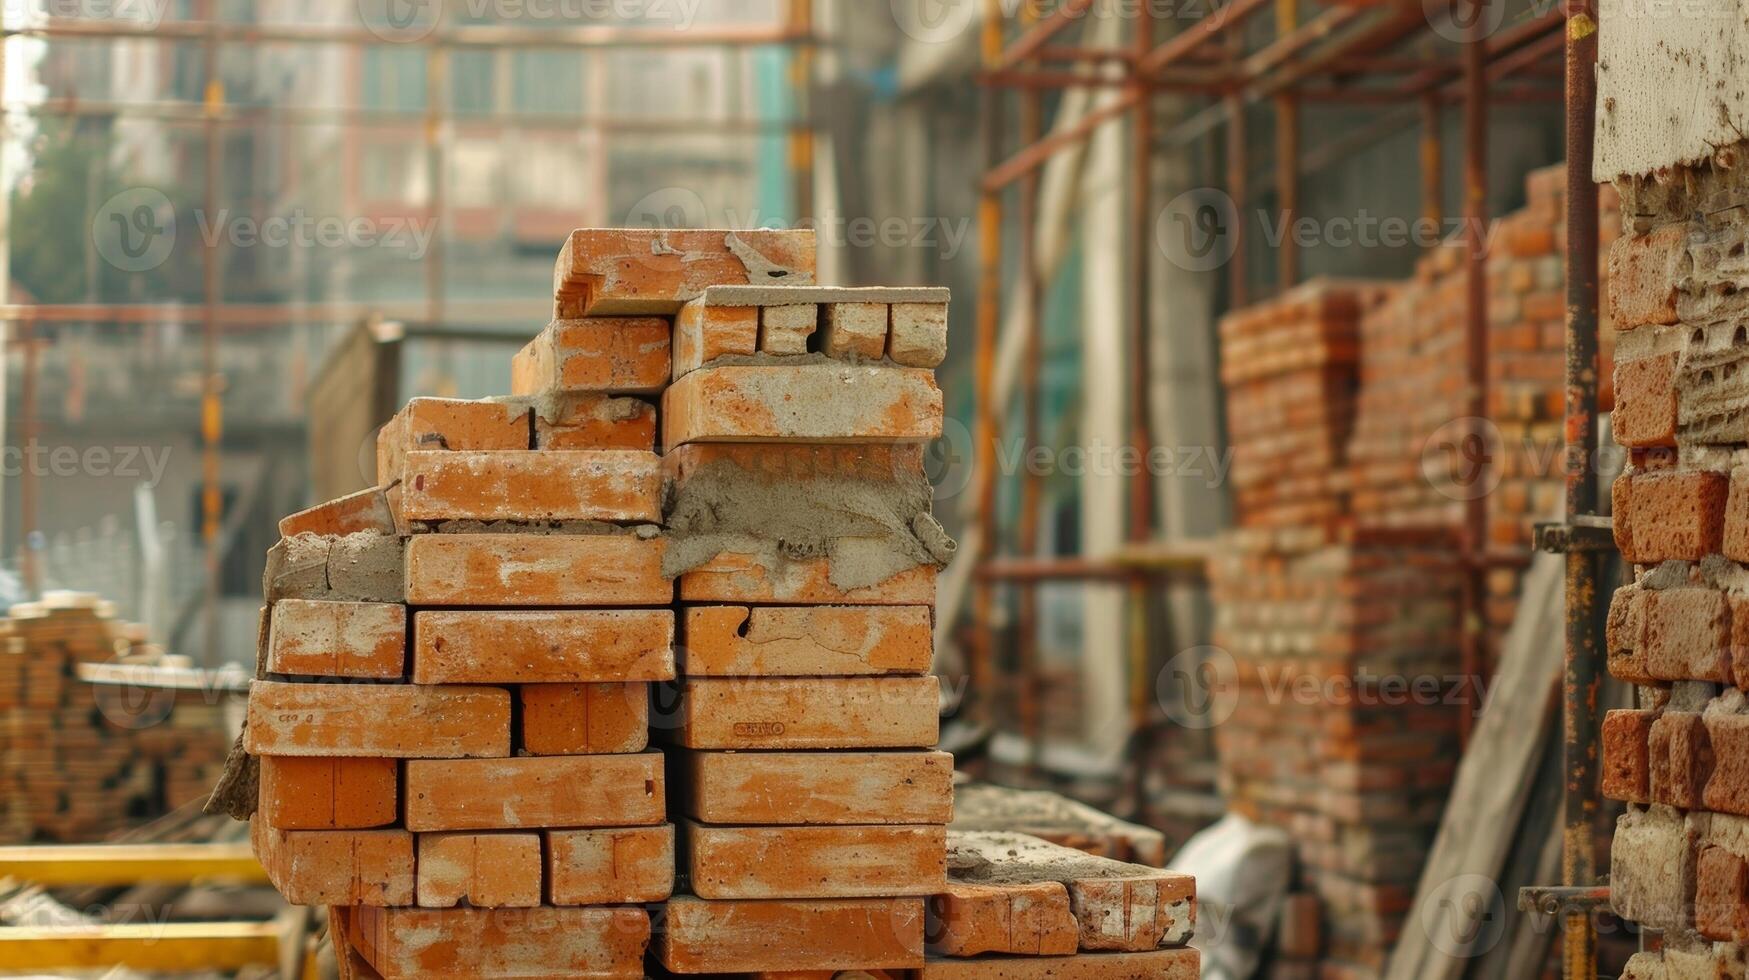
(29, 561)
(1475, 537)
(1580, 677)
(984, 381)
(212, 406)
(1029, 684)
(1141, 518)
(801, 134)
(1287, 155)
(1432, 162)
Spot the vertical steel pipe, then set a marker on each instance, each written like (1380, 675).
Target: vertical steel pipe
(1581, 679)
(1028, 684)
(1141, 496)
(982, 652)
(1475, 538)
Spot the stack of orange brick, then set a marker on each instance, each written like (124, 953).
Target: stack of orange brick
(83, 762)
(1680, 630)
(1342, 614)
(808, 800)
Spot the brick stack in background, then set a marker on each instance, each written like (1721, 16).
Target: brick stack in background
(1357, 582)
(81, 762)
(809, 803)
(1680, 630)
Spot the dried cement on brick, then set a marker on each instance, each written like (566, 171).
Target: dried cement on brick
(869, 530)
(364, 566)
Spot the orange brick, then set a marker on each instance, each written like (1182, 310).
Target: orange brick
(494, 646)
(475, 944)
(1643, 270)
(337, 867)
(542, 791)
(703, 333)
(610, 866)
(806, 641)
(654, 272)
(787, 329)
(918, 336)
(1032, 919)
(583, 719)
(328, 793)
(561, 485)
(338, 639)
(846, 934)
(452, 424)
(1626, 762)
(387, 720)
(808, 713)
(1735, 542)
(738, 577)
(366, 510)
(536, 570)
(1118, 906)
(1645, 401)
(830, 403)
(1687, 635)
(1159, 964)
(485, 870)
(1674, 514)
(763, 788)
(594, 421)
(814, 862)
(600, 354)
(855, 330)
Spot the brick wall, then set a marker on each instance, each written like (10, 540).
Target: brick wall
(1339, 595)
(1680, 630)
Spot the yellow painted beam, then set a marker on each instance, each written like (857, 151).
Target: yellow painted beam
(170, 947)
(130, 864)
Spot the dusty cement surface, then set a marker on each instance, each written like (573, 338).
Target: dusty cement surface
(797, 295)
(869, 530)
(1041, 813)
(238, 789)
(766, 359)
(996, 858)
(364, 566)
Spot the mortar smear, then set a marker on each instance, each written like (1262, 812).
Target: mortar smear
(869, 530)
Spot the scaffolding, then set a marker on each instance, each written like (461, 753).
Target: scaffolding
(1344, 54)
(27, 324)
